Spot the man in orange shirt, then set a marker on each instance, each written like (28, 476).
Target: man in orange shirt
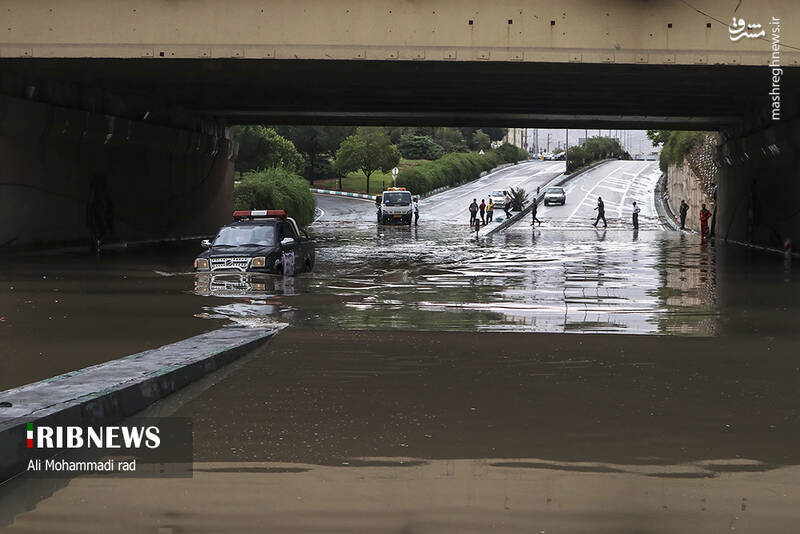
(705, 215)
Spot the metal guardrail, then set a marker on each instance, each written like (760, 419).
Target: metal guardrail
(343, 194)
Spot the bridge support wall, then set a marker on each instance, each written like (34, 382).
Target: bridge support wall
(759, 187)
(162, 182)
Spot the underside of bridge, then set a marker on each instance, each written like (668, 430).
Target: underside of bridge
(158, 128)
(403, 92)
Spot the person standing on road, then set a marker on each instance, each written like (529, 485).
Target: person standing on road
(473, 211)
(416, 211)
(684, 209)
(601, 213)
(482, 208)
(489, 210)
(534, 220)
(506, 204)
(636, 210)
(705, 215)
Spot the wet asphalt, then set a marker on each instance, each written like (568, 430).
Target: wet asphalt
(549, 379)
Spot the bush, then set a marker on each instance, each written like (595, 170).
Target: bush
(453, 169)
(419, 147)
(511, 153)
(262, 148)
(594, 149)
(276, 189)
(679, 144)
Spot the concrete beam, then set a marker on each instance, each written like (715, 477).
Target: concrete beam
(568, 31)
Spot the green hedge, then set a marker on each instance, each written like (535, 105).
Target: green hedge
(276, 189)
(679, 144)
(594, 149)
(456, 168)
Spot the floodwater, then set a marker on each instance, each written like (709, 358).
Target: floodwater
(428, 380)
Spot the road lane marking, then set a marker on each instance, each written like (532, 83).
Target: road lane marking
(591, 190)
(625, 195)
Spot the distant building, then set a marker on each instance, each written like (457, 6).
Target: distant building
(517, 137)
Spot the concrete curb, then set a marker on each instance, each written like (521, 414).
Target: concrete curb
(343, 194)
(111, 391)
(665, 215)
(557, 181)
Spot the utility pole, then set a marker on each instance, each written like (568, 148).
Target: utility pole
(548, 142)
(566, 153)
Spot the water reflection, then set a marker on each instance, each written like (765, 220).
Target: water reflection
(523, 280)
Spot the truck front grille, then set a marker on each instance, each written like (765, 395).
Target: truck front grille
(230, 264)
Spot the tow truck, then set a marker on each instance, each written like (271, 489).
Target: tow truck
(258, 241)
(394, 206)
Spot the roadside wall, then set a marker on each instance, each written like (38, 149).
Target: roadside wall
(682, 183)
(163, 182)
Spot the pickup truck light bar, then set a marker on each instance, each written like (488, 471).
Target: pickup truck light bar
(259, 214)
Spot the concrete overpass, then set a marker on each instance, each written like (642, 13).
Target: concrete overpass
(142, 90)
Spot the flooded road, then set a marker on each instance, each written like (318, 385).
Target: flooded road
(557, 379)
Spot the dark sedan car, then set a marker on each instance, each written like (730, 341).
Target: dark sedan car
(259, 241)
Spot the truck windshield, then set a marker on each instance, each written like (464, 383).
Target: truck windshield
(401, 198)
(237, 236)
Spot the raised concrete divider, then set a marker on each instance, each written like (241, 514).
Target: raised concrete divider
(113, 390)
(555, 182)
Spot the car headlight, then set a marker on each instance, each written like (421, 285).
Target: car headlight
(260, 261)
(201, 264)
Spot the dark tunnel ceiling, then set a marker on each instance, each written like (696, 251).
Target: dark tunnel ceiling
(405, 92)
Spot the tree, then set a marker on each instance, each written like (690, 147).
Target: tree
(419, 147)
(451, 139)
(480, 141)
(518, 198)
(262, 148)
(318, 144)
(495, 134)
(368, 151)
(658, 137)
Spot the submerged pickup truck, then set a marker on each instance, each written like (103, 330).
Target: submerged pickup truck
(258, 241)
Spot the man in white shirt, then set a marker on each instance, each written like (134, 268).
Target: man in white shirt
(636, 210)
(416, 211)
